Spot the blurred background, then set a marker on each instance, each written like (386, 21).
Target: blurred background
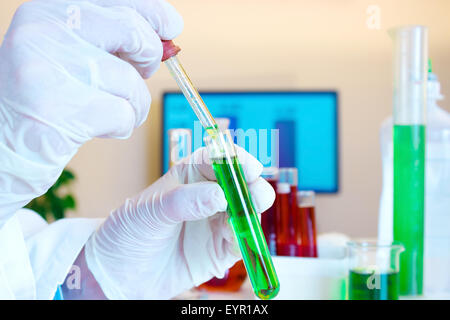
(277, 45)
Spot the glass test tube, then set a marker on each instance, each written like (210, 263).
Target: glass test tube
(268, 218)
(236, 275)
(306, 217)
(410, 85)
(288, 237)
(243, 217)
(229, 175)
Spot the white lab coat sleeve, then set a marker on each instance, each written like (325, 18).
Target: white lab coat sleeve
(16, 275)
(53, 248)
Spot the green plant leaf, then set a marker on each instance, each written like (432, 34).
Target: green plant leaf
(50, 204)
(69, 202)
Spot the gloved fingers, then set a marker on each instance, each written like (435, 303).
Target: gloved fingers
(161, 15)
(120, 79)
(121, 31)
(251, 166)
(190, 202)
(209, 247)
(263, 197)
(262, 193)
(119, 118)
(200, 164)
(231, 245)
(100, 114)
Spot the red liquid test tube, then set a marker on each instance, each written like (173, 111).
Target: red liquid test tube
(306, 223)
(268, 218)
(288, 241)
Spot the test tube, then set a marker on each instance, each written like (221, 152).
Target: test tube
(268, 218)
(306, 218)
(229, 175)
(180, 145)
(223, 123)
(288, 241)
(243, 217)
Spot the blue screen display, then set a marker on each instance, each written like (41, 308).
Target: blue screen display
(304, 126)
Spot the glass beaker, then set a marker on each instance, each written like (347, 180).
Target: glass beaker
(374, 270)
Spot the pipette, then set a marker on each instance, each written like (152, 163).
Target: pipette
(186, 86)
(243, 217)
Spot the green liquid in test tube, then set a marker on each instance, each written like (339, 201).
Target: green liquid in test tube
(243, 217)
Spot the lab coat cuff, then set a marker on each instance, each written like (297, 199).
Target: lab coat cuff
(53, 250)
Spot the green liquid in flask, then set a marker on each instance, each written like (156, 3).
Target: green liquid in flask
(247, 228)
(409, 192)
(367, 285)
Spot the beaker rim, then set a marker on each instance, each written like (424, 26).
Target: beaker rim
(372, 244)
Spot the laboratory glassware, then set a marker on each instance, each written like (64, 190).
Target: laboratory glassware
(236, 275)
(373, 270)
(268, 218)
(437, 191)
(223, 123)
(306, 218)
(409, 110)
(180, 145)
(243, 217)
(287, 235)
(170, 51)
(230, 176)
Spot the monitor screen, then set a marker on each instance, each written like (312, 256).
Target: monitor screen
(294, 129)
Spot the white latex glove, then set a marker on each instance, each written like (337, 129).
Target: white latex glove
(169, 238)
(71, 71)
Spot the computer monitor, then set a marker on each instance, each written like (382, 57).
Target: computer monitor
(305, 123)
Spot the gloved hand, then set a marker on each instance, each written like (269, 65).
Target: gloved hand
(71, 71)
(169, 238)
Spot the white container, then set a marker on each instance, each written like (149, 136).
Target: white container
(312, 278)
